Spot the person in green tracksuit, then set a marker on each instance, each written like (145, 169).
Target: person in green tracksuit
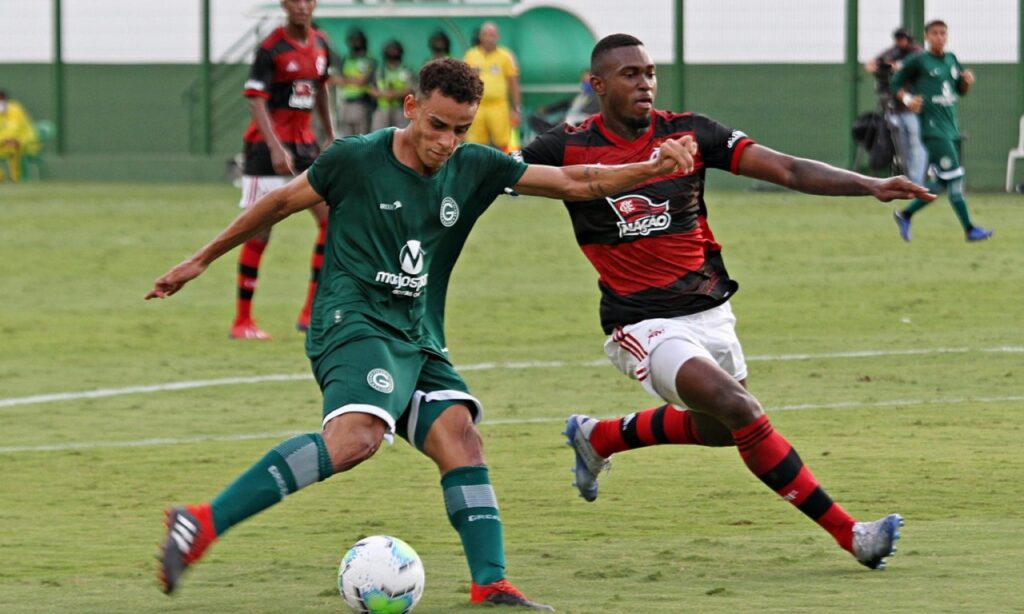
(930, 83)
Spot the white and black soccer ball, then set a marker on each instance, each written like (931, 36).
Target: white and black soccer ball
(381, 574)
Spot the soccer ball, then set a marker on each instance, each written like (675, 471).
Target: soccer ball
(381, 574)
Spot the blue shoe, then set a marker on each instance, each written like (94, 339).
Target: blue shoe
(903, 223)
(873, 541)
(589, 463)
(977, 233)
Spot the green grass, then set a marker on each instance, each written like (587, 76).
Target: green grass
(936, 436)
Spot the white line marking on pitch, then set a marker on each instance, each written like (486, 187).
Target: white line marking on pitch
(168, 441)
(483, 366)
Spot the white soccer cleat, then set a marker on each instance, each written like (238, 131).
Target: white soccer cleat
(588, 462)
(873, 541)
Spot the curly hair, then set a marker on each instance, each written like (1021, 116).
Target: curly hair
(453, 78)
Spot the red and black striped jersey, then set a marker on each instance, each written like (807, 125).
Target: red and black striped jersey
(288, 74)
(654, 252)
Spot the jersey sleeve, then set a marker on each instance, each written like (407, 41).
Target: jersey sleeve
(496, 170)
(327, 174)
(261, 75)
(547, 149)
(511, 66)
(719, 146)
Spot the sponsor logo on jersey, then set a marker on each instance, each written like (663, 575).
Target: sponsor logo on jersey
(947, 98)
(734, 137)
(409, 282)
(391, 206)
(638, 216)
(380, 380)
(449, 212)
(303, 94)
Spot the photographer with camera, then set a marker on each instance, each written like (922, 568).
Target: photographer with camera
(911, 149)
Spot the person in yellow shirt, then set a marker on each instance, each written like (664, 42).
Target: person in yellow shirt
(17, 137)
(499, 71)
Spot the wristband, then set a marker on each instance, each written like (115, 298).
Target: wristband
(907, 99)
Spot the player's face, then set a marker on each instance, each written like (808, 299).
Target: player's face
(626, 83)
(936, 37)
(438, 125)
(300, 12)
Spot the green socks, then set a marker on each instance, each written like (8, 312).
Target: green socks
(291, 465)
(473, 511)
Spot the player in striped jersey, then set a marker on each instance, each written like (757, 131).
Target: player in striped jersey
(285, 87)
(665, 288)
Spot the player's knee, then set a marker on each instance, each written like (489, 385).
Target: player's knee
(737, 407)
(348, 446)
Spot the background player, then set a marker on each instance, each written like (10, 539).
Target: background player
(397, 222)
(937, 80)
(665, 289)
(499, 71)
(285, 85)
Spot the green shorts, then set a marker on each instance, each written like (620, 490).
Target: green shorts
(394, 380)
(944, 157)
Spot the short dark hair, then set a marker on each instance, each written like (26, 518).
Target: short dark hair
(454, 78)
(902, 33)
(439, 42)
(935, 22)
(612, 41)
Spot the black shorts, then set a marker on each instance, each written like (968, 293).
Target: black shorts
(258, 163)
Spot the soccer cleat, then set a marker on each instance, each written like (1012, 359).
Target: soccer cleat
(903, 223)
(247, 329)
(503, 593)
(588, 462)
(977, 233)
(873, 541)
(190, 532)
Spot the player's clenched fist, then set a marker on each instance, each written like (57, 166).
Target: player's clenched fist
(676, 155)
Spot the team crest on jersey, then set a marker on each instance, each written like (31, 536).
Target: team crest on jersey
(638, 216)
(302, 96)
(449, 212)
(380, 380)
(409, 282)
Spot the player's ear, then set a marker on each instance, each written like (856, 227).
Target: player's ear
(409, 106)
(597, 84)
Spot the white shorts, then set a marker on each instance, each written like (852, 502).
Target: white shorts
(709, 334)
(254, 187)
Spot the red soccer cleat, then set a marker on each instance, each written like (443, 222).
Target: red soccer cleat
(503, 593)
(247, 329)
(190, 532)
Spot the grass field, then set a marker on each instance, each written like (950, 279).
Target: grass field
(895, 369)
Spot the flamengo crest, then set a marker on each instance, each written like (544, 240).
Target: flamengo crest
(638, 216)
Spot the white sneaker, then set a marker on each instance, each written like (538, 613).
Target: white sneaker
(588, 462)
(873, 541)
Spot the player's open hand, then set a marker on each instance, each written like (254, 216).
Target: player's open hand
(676, 155)
(899, 188)
(173, 280)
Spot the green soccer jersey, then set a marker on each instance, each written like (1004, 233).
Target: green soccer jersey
(938, 80)
(394, 235)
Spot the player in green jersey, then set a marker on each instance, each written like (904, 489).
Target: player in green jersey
(402, 203)
(930, 83)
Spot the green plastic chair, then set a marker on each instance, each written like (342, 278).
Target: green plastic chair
(33, 165)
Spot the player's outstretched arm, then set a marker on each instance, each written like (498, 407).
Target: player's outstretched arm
(815, 177)
(587, 181)
(295, 196)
